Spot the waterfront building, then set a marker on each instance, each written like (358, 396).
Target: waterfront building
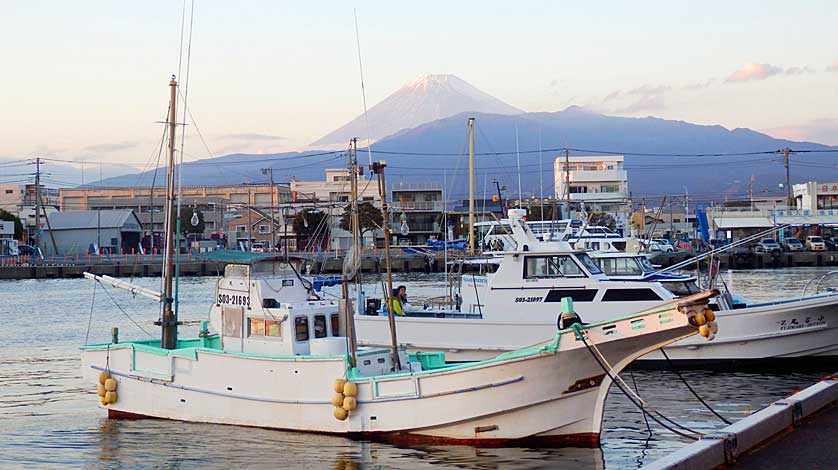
(816, 197)
(76, 232)
(417, 213)
(599, 183)
(148, 203)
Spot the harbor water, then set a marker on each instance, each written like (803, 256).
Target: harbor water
(49, 417)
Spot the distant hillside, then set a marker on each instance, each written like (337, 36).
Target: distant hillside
(574, 127)
(425, 99)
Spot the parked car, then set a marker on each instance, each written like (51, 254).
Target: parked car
(815, 243)
(29, 250)
(666, 245)
(792, 244)
(831, 243)
(652, 246)
(258, 248)
(768, 245)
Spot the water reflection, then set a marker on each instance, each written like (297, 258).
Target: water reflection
(49, 418)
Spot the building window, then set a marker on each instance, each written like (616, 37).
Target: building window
(240, 228)
(263, 229)
(609, 188)
(578, 189)
(320, 326)
(114, 241)
(209, 225)
(301, 328)
(10, 191)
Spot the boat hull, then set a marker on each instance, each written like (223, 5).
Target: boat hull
(759, 333)
(548, 394)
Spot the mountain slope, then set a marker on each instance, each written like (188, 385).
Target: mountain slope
(425, 99)
(413, 159)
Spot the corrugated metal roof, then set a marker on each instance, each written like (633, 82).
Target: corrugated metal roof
(69, 220)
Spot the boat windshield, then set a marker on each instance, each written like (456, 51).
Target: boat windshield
(627, 266)
(589, 263)
(645, 265)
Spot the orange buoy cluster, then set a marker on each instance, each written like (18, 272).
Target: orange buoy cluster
(345, 398)
(106, 389)
(706, 323)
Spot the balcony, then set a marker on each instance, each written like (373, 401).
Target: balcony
(599, 197)
(395, 227)
(595, 176)
(418, 206)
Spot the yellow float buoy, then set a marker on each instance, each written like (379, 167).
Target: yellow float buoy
(110, 385)
(110, 397)
(709, 315)
(340, 413)
(703, 330)
(102, 401)
(337, 399)
(339, 383)
(103, 376)
(713, 326)
(350, 389)
(700, 319)
(349, 403)
(100, 390)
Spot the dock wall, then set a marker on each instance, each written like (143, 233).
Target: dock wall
(722, 447)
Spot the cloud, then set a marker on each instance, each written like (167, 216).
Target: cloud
(111, 147)
(253, 137)
(700, 85)
(750, 72)
(643, 98)
(833, 67)
(822, 131)
(798, 70)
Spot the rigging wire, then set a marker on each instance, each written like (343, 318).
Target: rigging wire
(363, 90)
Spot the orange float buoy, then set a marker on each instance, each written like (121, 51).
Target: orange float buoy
(709, 315)
(703, 330)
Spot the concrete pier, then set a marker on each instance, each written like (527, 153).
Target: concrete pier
(795, 432)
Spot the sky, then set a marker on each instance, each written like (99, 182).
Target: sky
(87, 80)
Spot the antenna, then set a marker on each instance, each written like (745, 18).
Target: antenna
(518, 156)
(363, 90)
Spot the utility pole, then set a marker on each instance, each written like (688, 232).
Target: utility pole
(270, 171)
(37, 201)
(471, 186)
(378, 169)
(500, 198)
(169, 320)
(249, 223)
(751, 192)
(567, 180)
(789, 199)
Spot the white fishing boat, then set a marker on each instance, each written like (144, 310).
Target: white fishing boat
(496, 236)
(274, 354)
(517, 304)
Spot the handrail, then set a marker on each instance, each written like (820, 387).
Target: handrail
(818, 285)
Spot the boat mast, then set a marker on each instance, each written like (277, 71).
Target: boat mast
(471, 186)
(378, 169)
(169, 320)
(352, 274)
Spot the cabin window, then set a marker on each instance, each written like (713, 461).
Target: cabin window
(578, 295)
(262, 327)
(589, 263)
(629, 295)
(257, 327)
(272, 328)
(320, 326)
(301, 328)
(621, 266)
(335, 320)
(551, 266)
(269, 303)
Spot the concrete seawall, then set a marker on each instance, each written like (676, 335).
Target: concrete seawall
(725, 446)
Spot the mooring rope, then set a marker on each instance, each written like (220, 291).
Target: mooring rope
(638, 404)
(696, 395)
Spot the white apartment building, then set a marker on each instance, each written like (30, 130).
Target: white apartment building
(600, 182)
(816, 197)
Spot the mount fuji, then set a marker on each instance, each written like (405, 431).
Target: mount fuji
(425, 99)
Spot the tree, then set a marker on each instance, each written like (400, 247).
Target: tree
(604, 220)
(369, 218)
(186, 226)
(308, 223)
(9, 217)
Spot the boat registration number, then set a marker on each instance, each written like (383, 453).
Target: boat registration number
(227, 299)
(528, 299)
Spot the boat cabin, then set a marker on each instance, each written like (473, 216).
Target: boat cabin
(266, 305)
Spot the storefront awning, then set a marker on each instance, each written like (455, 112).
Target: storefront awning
(725, 223)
